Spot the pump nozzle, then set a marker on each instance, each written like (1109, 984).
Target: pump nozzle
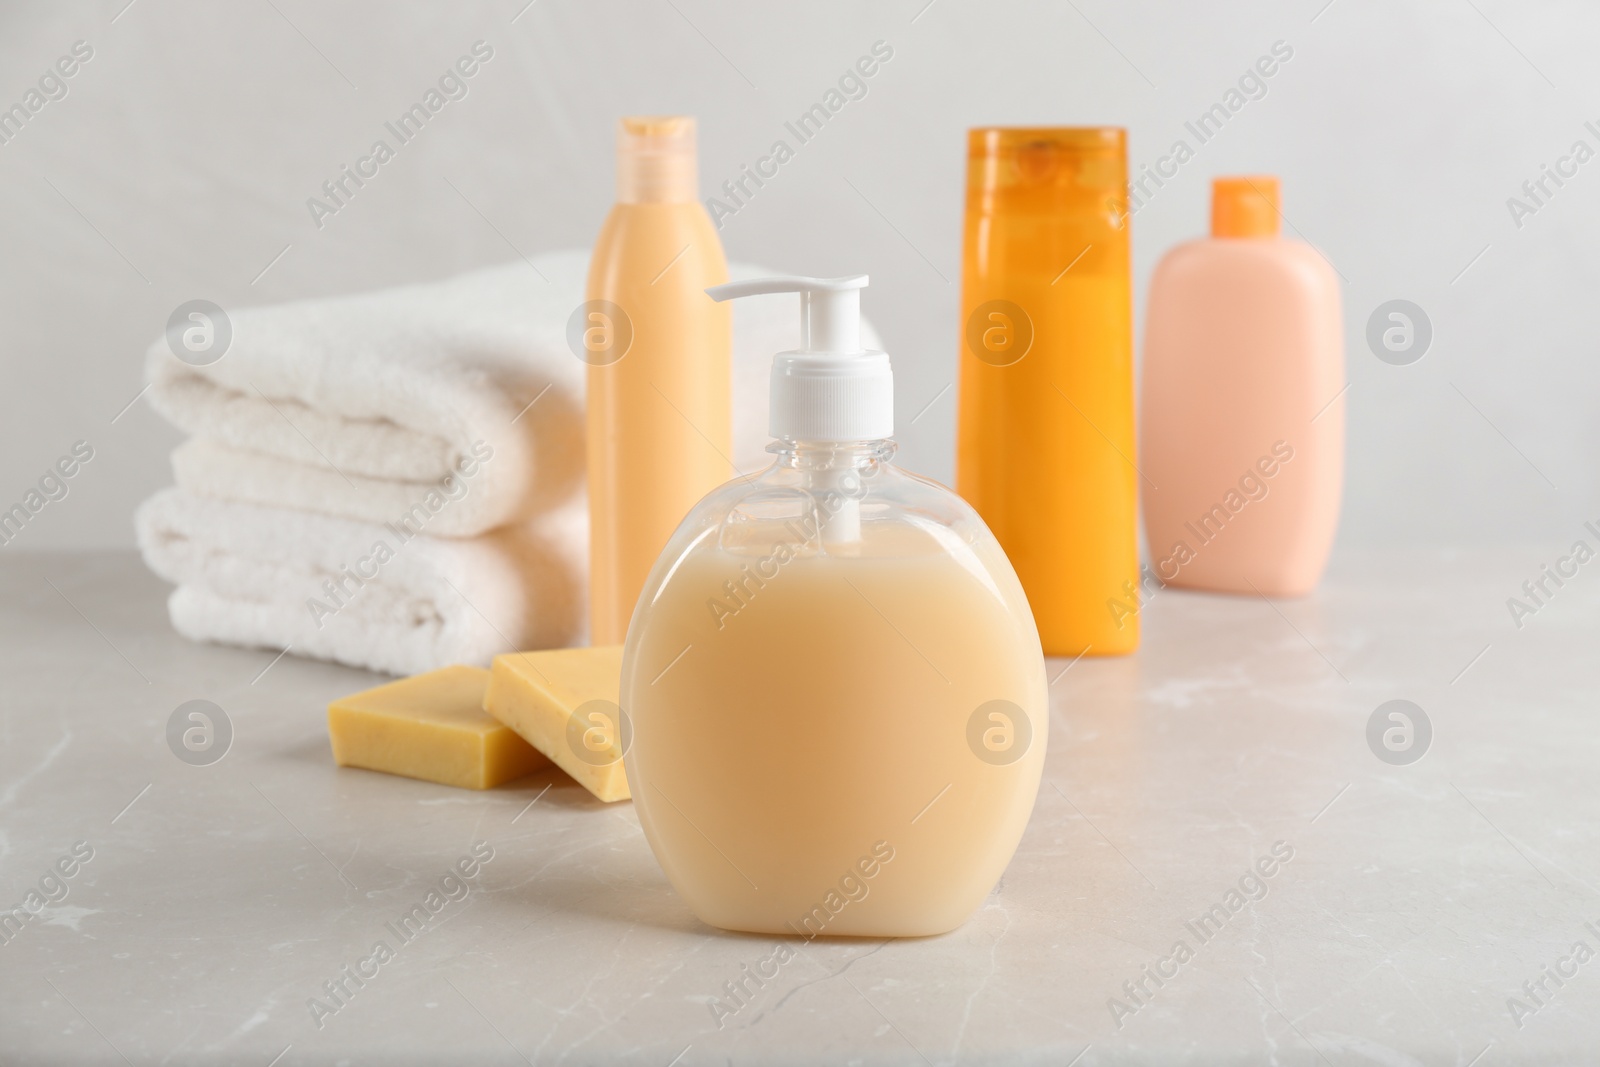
(830, 308)
(830, 388)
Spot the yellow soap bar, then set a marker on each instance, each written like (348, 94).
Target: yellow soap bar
(564, 703)
(430, 727)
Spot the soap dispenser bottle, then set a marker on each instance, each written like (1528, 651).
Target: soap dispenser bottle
(833, 683)
(1242, 423)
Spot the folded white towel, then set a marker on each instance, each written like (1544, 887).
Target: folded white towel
(350, 405)
(359, 406)
(381, 596)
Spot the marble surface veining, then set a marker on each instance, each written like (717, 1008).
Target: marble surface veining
(1420, 904)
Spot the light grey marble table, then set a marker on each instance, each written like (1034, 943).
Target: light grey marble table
(1418, 900)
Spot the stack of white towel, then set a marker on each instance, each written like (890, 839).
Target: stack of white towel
(395, 480)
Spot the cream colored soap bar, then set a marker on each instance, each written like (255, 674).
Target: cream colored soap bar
(564, 703)
(430, 727)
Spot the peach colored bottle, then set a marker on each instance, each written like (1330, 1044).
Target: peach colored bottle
(1243, 423)
(659, 354)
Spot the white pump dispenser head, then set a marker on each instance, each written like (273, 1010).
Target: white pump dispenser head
(830, 389)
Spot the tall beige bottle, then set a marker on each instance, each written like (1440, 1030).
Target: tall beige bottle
(658, 349)
(1242, 424)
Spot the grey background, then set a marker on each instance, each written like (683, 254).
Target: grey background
(179, 166)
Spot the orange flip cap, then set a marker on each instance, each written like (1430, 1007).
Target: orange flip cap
(1245, 206)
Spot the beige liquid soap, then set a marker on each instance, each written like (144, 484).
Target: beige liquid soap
(833, 681)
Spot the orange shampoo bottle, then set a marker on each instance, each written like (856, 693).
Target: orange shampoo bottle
(1045, 435)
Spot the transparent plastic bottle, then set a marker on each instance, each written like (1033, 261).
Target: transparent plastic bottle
(833, 680)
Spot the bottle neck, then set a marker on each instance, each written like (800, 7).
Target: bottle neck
(838, 474)
(831, 455)
(657, 178)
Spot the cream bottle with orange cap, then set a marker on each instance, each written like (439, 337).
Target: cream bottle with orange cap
(658, 349)
(1242, 420)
